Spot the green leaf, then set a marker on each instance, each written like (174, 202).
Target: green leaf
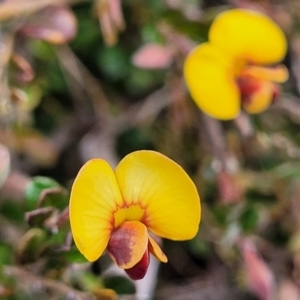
(113, 62)
(74, 256)
(35, 188)
(6, 256)
(249, 218)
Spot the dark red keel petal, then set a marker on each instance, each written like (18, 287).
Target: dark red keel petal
(140, 269)
(248, 85)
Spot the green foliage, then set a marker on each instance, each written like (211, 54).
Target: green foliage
(88, 99)
(114, 63)
(44, 190)
(6, 256)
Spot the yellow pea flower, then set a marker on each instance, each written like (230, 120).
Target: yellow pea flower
(231, 69)
(114, 210)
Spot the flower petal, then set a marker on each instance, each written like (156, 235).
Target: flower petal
(248, 35)
(210, 77)
(128, 243)
(131, 213)
(261, 99)
(94, 197)
(139, 270)
(158, 184)
(278, 74)
(156, 251)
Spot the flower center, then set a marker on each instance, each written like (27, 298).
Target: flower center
(128, 213)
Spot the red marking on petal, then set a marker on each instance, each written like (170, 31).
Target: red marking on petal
(140, 269)
(128, 243)
(118, 246)
(248, 86)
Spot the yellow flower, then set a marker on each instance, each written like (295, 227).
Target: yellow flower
(114, 210)
(231, 69)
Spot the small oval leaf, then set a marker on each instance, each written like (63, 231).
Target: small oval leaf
(153, 56)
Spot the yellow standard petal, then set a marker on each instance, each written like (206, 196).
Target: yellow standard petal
(248, 35)
(164, 190)
(210, 77)
(94, 197)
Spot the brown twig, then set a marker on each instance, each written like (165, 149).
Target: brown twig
(214, 134)
(243, 124)
(30, 282)
(82, 77)
(290, 106)
(16, 8)
(147, 111)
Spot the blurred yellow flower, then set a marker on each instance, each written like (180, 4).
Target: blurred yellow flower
(231, 69)
(114, 210)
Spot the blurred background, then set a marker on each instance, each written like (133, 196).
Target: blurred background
(102, 78)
